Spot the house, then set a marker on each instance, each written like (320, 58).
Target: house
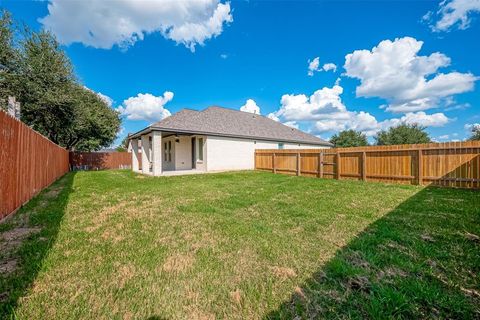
(213, 139)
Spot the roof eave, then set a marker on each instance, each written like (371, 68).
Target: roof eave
(152, 128)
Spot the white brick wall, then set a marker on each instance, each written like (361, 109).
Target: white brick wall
(145, 154)
(238, 154)
(156, 153)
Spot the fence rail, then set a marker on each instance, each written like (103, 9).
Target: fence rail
(29, 162)
(451, 164)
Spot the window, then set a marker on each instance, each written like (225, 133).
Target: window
(165, 150)
(169, 151)
(280, 145)
(200, 149)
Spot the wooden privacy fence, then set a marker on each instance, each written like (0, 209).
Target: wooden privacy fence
(451, 164)
(100, 160)
(29, 162)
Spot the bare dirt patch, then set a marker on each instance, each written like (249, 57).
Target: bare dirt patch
(112, 235)
(124, 274)
(299, 293)
(178, 263)
(7, 266)
(53, 193)
(389, 273)
(356, 259)
(236, 296)
(359, 283)
(472, 237)
(19, 233)
(283, 272)
(201, 315)
(104, 215)
(427, 238)
(10, 241)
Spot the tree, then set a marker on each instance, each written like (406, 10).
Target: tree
(40, 75)
(95, 124)
(47, 75)
(475, 132)
(8, 59)
(123, 146)
(55, 104)
(349, 138)
(403, 134)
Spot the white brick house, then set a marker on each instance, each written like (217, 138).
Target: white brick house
(214, 139)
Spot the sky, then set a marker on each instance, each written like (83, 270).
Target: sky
(320, 66)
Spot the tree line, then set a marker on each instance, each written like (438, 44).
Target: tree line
(400, 134)
(36, 71)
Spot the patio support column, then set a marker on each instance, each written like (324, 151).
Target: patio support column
(146, 154)
(135, 154)
(157, 153)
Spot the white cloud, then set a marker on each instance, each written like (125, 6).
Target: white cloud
(291, 124)
(224, 56)
(330, 67)
(448, 137)
(470, 126)
(452, 13)
(250, 106)
(325, 102)
(102, 24)
(324, 111)
(272, 116)
(314, 66)
(394, 71)
(421, 118)
(146, 107)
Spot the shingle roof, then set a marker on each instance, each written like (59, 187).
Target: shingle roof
(227, 122)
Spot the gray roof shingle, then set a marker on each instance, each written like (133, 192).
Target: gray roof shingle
(227, 122)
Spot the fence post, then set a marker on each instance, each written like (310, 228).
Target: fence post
(420, 166)
(273, 163)
(298, 163)
(338, 165)
(320, 164)
(364, 166)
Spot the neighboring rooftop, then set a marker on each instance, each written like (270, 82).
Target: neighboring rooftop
(227, 122)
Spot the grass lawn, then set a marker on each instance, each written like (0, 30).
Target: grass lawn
(115, 245)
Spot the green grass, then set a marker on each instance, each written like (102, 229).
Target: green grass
(115, 245)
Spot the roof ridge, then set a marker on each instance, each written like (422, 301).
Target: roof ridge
(255, 114)
(261, 115)
(235, 110)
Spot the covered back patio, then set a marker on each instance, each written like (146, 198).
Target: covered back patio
(168, 153)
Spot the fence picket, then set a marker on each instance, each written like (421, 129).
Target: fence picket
(29, 162)
(455, 164)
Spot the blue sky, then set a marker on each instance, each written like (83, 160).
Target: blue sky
(424, 67)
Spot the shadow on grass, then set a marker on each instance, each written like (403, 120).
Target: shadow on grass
(422, 260)
(26, 238)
